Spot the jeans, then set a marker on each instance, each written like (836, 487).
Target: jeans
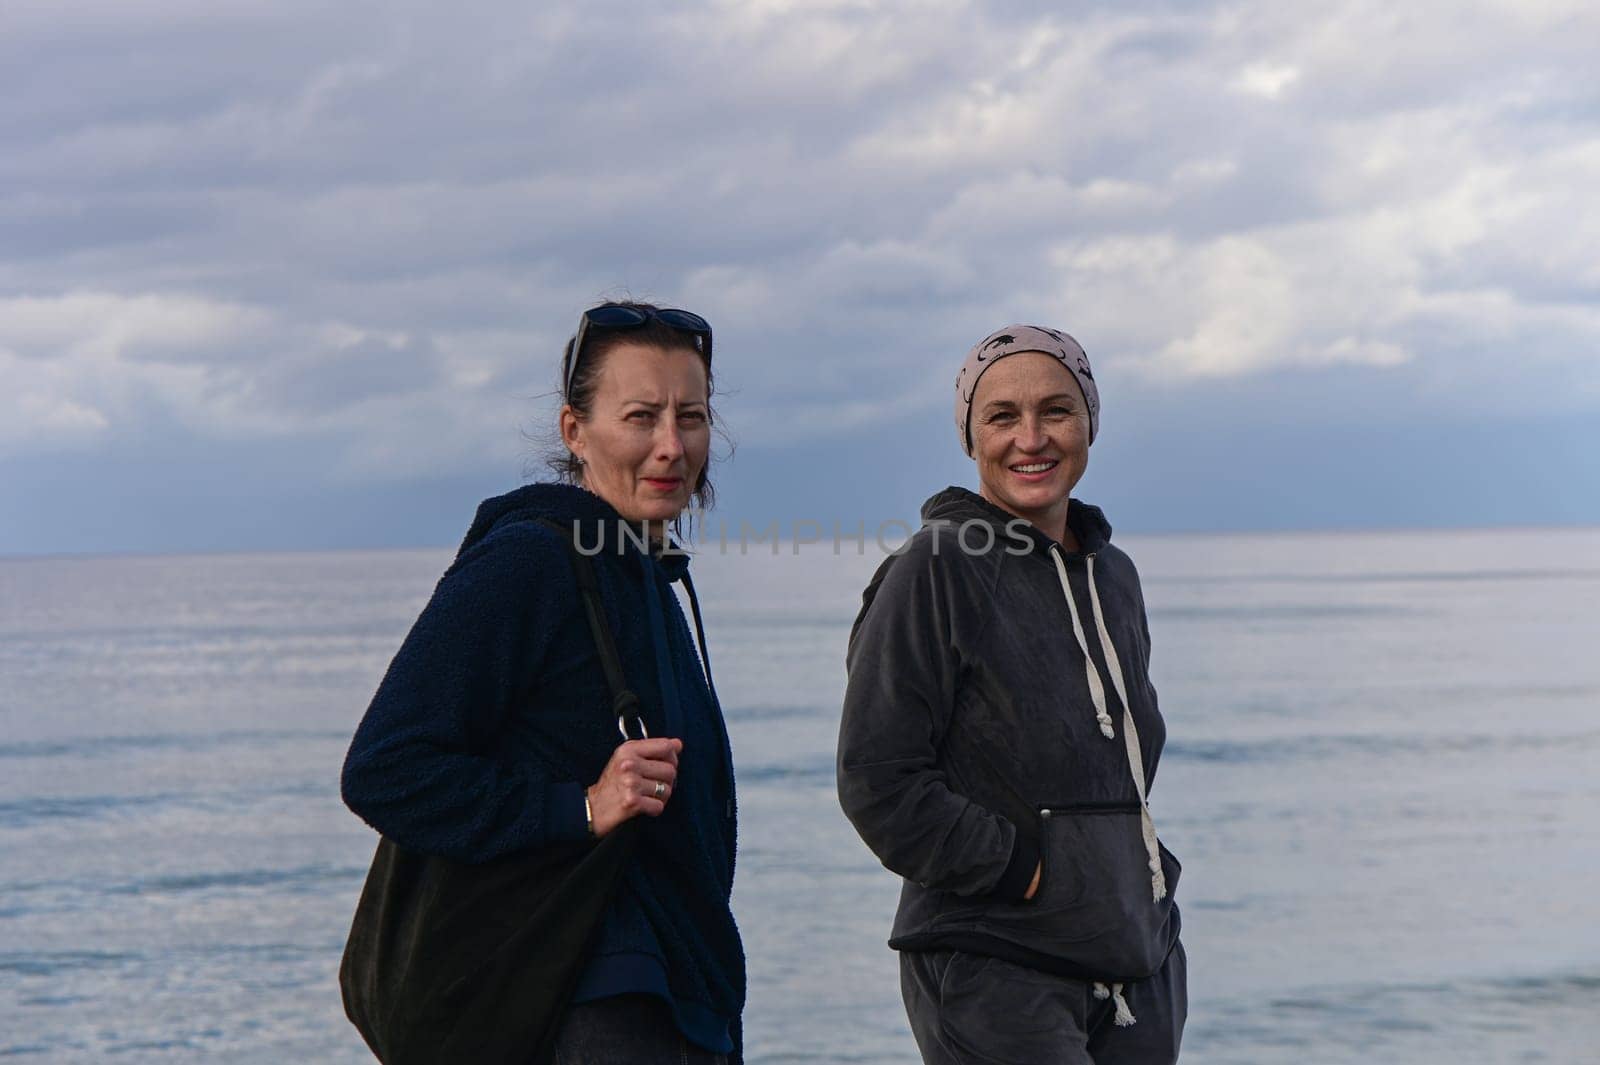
(626, 1030)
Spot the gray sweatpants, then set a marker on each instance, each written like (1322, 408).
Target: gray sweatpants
(967, 1009)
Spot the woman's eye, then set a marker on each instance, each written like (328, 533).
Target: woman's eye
(694, 416)
(641, 416)
(1000, 417)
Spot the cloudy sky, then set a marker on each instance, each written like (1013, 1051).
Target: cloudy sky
(294, 274)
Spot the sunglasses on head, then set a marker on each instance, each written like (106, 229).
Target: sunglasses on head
(613, 318)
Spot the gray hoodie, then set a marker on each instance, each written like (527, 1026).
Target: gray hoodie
(986, 728)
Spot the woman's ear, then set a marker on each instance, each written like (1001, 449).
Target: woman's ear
(572, 430)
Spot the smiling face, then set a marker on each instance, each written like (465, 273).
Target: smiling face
(1030, 435)
(645, 439)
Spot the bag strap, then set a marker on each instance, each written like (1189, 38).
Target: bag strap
(624, 703)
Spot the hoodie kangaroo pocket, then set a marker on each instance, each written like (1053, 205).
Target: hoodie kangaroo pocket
(1096, 907)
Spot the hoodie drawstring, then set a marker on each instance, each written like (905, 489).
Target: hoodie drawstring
(666, 672)
(1097, 689)
(1124, 1016)
(700, 636)
(1130, 734)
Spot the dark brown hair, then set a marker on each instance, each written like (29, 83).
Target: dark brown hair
(597, 345)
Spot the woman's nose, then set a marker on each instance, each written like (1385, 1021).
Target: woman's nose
(1031, 434)
(669, 442)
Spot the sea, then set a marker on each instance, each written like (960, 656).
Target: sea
(1382, 776)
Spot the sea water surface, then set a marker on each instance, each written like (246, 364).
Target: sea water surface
(1382, 777)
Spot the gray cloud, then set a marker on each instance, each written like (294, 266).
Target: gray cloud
(377, 222)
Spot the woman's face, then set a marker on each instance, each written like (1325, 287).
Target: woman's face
(1030, 435)
(648, 432)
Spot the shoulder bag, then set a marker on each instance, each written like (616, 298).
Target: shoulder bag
(451, 963)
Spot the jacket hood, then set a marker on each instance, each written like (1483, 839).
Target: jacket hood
(957, 505)
(600, 523)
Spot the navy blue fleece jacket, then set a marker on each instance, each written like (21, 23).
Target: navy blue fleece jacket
(493, 717)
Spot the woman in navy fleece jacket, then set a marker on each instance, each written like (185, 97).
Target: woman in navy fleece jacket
(484, 738)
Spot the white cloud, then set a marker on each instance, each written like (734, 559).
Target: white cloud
(34, 416)
(1268, 80)
(86, 367)
(98, 327)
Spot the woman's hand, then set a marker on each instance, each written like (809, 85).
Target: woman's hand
(637, 780)
(1033, 885)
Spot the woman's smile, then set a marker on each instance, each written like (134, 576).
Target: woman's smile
(1034, 472)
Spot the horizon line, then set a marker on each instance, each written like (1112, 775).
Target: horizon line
(1309, 530)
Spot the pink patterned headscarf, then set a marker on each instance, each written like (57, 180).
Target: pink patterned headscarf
(1010, 341)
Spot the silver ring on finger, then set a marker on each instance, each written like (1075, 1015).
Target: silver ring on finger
(661, 789)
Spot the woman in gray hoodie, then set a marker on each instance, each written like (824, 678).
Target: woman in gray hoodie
(999, 738)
